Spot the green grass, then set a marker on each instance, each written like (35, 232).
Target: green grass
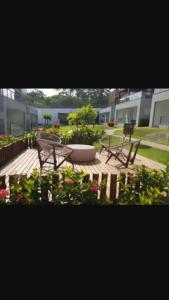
(155, 154)
(141, 133)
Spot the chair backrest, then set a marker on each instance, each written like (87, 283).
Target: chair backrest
(135, 146)
(48, 137)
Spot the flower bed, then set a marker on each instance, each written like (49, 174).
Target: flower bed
(65, 187)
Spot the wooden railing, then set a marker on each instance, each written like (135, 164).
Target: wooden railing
(112, 185)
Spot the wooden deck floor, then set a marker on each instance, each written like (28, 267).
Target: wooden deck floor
(28, 160)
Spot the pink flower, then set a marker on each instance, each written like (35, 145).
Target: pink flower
(69, 181)
(94, 187)
(3, 194)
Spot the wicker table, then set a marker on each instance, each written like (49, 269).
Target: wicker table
(82, 152)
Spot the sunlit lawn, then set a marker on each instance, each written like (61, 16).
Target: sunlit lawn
(141, 132)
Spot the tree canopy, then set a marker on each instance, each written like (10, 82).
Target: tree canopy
(69, 98)
(83, 116)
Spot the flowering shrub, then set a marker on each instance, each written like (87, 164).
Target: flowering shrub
(69, 190)
(3, 194)
(146, 187)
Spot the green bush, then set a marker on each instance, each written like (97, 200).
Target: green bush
(8, 139)
(84, 135)
(146, 187)
(70, 189)
(83, 116)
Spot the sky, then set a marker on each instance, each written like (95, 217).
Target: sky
(47, 92)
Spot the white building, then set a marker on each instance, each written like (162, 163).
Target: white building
(57, 114)
(15, 115)
(159, 116)
(134, 107)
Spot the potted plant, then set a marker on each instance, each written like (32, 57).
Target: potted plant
(111, 123)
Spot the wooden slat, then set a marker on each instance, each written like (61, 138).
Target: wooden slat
(2, 182)
(103, 190)
(95, 178)
(113, 187)
(86, 178)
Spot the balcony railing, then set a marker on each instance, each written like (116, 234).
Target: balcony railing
(9, 93)
(158, 91)
(132, 97)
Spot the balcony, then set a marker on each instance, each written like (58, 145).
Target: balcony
(158, 91)
(9, 93)
(132, 97)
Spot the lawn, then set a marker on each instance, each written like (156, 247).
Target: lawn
(142, 132)
(155, 154)
(158, 155)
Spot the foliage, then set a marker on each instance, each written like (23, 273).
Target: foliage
(8, 139)
(85, 115)
(70, 98)
(70, 189)
(53, 130)
(146, 187)
(47, 117)
(83, 135)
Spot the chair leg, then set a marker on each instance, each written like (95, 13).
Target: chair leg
(101, 149)
(109, 158)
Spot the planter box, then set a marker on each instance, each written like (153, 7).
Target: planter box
(10, 151)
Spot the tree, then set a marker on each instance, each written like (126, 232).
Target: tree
(35, 96)
(47, 117)
(83, 116)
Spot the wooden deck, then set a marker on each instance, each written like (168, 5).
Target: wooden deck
(28, 160)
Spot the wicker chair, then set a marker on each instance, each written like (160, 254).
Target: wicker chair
(51, 151)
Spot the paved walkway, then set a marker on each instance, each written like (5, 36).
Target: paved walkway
(143, 142)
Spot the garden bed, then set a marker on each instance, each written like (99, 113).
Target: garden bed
(10, 151)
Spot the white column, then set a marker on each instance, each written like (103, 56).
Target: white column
(138, 114)
(152, 114)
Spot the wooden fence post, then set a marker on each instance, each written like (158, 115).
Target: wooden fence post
(96, 179)
(55, 182)
(103, 189)
(86, 178)
(2, 182)
(113, 188)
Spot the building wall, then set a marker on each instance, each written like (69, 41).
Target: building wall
(12, 111)
(145, 108)
(54, 112)
(161, 113)
(159, 109)
(136, 106)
